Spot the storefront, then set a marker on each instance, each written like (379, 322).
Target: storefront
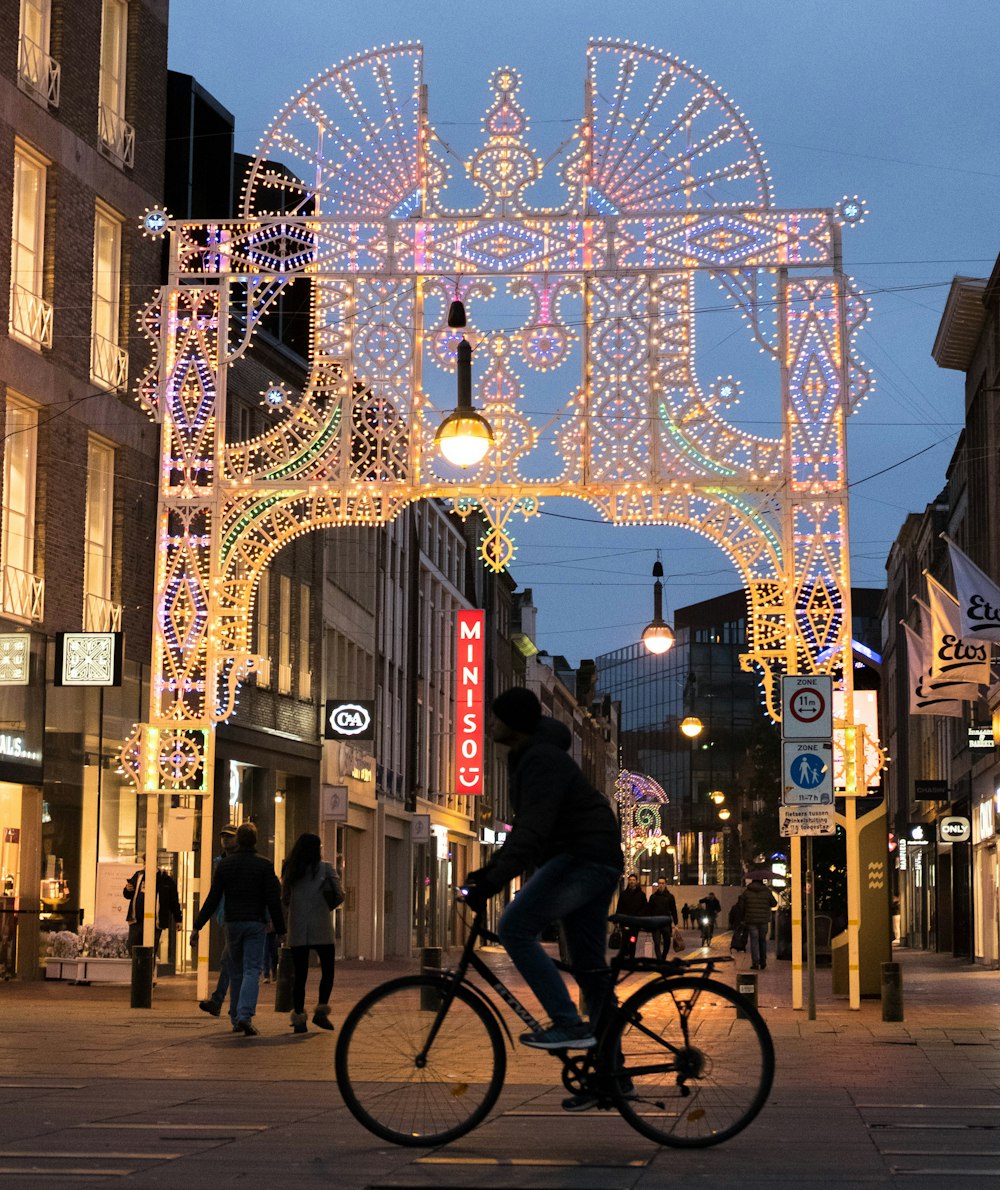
(986, 877)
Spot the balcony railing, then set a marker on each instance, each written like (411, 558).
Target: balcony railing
(38, 73)
(117, 136)
(108, 363)
(101, 615)
(23, 595)
(30, 317)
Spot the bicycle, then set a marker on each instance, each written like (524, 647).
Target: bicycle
(685, 1060)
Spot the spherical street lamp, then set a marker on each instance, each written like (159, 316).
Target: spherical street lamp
(725, 813)
(658, 636)
(692, 726)
(464, 436)
(717, 796)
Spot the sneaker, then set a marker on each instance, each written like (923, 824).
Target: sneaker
(247, 1028)
(212, 1007)
(561, 1037)
(586, 1100)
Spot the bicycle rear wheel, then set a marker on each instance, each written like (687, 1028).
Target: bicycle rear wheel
(407, 1099)
(693, 1062)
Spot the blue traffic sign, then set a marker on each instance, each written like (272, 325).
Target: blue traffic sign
(807, 773)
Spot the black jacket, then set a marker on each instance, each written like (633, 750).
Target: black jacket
(168, 905)
(556, 811)
(632, 901)
(663, 904)
(251, 888)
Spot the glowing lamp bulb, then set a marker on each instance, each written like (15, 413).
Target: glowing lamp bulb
(658, 637)
(724, 814)
(691, 726)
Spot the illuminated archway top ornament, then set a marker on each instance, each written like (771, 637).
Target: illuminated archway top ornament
(355, 197)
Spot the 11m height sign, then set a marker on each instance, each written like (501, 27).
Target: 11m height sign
(470, 657)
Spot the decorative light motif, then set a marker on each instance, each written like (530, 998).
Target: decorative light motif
(662, 179)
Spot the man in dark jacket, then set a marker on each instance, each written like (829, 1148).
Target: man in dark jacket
(168, 906)
(631, 901)
(252, 891)
(662, 904)
(566, 831)
(758, 902)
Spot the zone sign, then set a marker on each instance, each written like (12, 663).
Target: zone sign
(807, 707)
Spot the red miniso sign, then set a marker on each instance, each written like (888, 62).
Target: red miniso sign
(469, 677)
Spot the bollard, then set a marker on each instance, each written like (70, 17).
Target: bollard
(284, 980)
(746, 985)
(892, 992)
(430, 962)
(143, 966)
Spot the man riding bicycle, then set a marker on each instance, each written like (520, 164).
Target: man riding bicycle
(566, 831)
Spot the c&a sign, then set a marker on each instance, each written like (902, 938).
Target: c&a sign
(469, 679)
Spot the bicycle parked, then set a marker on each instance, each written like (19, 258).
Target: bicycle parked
(685, 1059)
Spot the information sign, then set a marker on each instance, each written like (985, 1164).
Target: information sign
(794, 821)
(807, 773)
(807, 706)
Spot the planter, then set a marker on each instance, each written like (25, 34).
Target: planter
(88, 970)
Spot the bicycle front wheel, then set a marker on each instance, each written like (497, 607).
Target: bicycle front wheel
(405, 1090)
(693, 1062)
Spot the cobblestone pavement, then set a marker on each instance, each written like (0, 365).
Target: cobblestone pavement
(93, 1092)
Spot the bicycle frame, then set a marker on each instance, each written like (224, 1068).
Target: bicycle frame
(620, 967)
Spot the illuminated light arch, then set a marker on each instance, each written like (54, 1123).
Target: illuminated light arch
(662, 180)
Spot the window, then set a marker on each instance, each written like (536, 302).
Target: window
(263, 642)
(108, 362)
(284, 635)
(99, 613)
(30, 314)
(37, 73)
(21, 591)
(305, 674)
(116, 134)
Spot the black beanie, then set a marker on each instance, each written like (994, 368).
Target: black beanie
(519, 708)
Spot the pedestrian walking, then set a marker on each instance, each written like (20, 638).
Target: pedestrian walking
(251, 890)
(213, 1005)
(167, 910)
(758, 901)
(662, 904)
(310, 890)
(631, 901)
(566, 831)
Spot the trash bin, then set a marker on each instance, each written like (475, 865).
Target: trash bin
(783, 933)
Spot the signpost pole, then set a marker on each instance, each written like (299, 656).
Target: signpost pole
(796, 857)
(810, 927)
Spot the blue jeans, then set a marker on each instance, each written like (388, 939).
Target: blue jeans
(758, 945)
(219, 995)
(246, 961)
(577, 894)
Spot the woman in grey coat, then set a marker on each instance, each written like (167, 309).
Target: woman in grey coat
(306, 883)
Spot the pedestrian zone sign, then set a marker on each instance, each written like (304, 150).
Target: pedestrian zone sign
(807, 773)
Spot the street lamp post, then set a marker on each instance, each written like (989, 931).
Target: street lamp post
(692, 727)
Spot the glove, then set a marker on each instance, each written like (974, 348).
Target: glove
(475, 896)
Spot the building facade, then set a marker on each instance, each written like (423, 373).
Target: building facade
(83, 92)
